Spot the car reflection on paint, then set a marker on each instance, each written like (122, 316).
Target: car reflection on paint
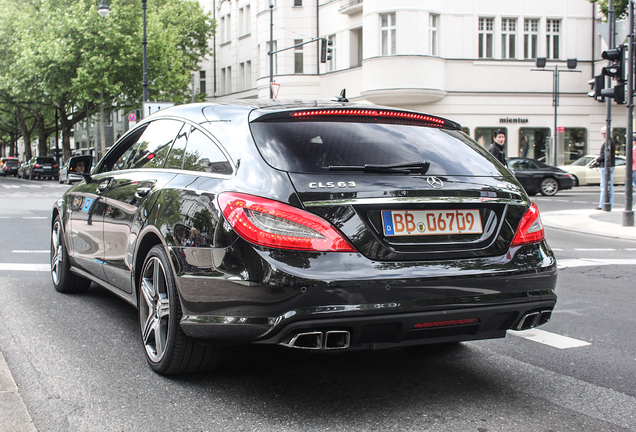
(538, 177)
(319, 226)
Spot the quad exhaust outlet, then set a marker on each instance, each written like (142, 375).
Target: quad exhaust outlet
(534, 319)
(318, 340)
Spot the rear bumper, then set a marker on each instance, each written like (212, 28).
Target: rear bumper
(362, 297)
(385, 330)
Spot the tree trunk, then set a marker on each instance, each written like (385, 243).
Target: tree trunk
(26, 134)
(66, 126)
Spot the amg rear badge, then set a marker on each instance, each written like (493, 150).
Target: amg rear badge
(331, 185)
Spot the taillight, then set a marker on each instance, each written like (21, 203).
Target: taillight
(530, 228)
(273, 224)
(56, 166)
(36, 165)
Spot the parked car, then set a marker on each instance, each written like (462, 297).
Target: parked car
(318, 226)
(40, 167)
(9, 166)
(538, 177)
(586, 172)
(68, 177)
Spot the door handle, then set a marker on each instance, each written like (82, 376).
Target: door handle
(142, 191)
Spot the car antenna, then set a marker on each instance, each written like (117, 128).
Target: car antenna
(342, 97)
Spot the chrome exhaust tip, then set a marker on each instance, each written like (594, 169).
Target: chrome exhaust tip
(307, 340)
(534, 319)
(337, 339)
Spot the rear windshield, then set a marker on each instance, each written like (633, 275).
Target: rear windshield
(46, 160)
(312, 147)
(11, 162)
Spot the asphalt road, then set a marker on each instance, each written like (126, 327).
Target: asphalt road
(79, 364)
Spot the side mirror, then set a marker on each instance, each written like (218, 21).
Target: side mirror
(81, 165)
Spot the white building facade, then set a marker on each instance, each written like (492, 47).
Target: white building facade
(469, 60)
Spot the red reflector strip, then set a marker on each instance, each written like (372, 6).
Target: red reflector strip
(370, 113)
(446, 323)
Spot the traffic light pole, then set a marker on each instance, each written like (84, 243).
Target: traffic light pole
(628, 214)
(607, 206)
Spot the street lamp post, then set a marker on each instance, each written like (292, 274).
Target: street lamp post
(271, 50)
(571, 64)
(144, 42)
(103, 10)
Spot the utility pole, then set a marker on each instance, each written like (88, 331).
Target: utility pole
(628, 214)
(607, 171)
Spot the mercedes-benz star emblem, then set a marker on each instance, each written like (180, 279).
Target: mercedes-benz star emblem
(435, 182)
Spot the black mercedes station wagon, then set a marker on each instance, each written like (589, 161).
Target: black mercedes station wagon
(317, 226)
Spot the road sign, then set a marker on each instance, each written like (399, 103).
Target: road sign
(132, 117)
(275, 89)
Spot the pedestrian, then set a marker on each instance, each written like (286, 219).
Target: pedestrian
(604, 164)
(497, 147)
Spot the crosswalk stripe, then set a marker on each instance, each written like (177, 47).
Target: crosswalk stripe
(25, 267)
(583, 262)
(551, 339)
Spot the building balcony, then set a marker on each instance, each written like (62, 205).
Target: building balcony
(349, 7)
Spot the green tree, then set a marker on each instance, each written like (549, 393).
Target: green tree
(620, 7)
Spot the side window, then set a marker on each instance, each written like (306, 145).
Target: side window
(202, 154)
(175, 158)
(154, 144)
(121, 153)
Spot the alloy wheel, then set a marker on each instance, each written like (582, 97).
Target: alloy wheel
(56, 252)
(155, 309)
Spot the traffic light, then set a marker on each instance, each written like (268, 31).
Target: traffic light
(597, 85)
(617, 93)
(325, 51)
(617, 57)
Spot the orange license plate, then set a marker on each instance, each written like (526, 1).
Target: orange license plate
(431, 222)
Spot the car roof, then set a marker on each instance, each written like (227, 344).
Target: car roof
(208, 112)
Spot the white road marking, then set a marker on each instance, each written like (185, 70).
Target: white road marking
(30, 251)
(34, 217)
(583, 262)
(551, 339)
(581, 202)
(25, 267)
(594, 249)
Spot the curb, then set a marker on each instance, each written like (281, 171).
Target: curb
(13, 412)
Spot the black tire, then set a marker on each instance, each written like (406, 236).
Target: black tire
(167, 348)
(64, 280)
(31, 176)
(549, 186)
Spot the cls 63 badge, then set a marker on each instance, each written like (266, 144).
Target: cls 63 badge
(331, 185)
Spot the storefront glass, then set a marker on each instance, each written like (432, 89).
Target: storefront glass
(533, 142)
(618, 135)
(483, 135)
(575, 144)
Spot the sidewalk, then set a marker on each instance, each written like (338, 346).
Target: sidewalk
(14, 416)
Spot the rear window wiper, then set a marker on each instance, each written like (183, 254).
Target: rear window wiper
(401, 168)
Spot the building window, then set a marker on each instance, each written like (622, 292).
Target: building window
(331, 64)
(553, 27)
(228, 28)
(248, 75)
(244, 20)
(433, 22)
(355, 36)
(248, 19)
(273, 58)
(508, 38)
(298, 2)
(533, 142)
(202, 88)
(388, 31)
(241, 77)
(229, 80)
(486, 33)
(223, 80)
(530, 38)
(483, 135)
(298, 56)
